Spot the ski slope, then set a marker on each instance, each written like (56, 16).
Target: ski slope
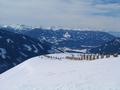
(41, 73)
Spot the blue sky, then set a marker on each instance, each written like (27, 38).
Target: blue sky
(94, 14)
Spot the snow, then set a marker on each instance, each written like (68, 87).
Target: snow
(83, 50)
(41, 73)
(23, 54)
(24, 37)
(75, 50)
(0, 37)
(67, 35)
(40, 46)
(88, 46)
(20, 27)
(36, 50)
(28, 47)
(3, 53)
(9, 40)
(17, 26)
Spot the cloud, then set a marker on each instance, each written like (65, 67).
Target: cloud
(109, 10)
(106, 1)
(98, 14)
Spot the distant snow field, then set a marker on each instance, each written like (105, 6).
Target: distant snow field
(41, 73)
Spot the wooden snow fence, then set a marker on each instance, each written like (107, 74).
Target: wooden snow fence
(53, 57)
(90, 56)
(82, 57)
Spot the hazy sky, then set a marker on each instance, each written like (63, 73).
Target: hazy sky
(96, 14)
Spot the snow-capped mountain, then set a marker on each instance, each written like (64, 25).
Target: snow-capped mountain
(111, 47)
(41, 73)
(17, 27)
(15, 48)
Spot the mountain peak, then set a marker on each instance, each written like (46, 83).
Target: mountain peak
(17, 27)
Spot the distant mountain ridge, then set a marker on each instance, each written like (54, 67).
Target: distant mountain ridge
(63, 39)
(112, 47)
(70, 38)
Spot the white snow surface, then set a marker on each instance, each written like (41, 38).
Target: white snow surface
(41, 73)
(9, 40)
(36, 50)
(3, 53)
(28, 47)
(67, 35)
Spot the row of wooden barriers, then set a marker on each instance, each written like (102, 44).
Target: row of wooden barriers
(83, 56)
(90, 56)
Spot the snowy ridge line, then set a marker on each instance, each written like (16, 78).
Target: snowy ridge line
(41, 73)
(22, 27)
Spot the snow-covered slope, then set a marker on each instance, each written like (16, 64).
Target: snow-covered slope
(41, 73)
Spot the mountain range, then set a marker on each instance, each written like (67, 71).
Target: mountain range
(112, 47)
(62, 38)
(18, 43)
(15, 48)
